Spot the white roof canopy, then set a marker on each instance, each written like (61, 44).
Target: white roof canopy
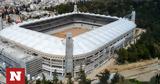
(83, 43)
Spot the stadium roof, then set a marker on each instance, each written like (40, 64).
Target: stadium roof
(83, 43)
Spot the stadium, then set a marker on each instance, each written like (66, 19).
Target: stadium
(92, 40)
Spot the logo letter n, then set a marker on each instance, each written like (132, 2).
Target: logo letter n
(15, 76)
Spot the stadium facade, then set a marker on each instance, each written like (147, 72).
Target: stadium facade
(89, 49)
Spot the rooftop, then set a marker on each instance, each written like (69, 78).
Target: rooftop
(15, 53)
(83, 43)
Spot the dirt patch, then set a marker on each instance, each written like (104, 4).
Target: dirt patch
(75, 32)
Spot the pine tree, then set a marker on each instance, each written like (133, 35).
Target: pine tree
(26, 80)
(55, 77)
(69, 81)
(155, 79)
(117, 79)
(43, 79)
(82, 76)
(104, 77)
(158, 78)
(38, 81)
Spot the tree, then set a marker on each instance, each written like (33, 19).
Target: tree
(123, 56)
(155, 79)
(82, 77)
(38, 81)
(55, 77)
(117, 79)
(26, 80)
(104, 77)
(69, 81)
(156, 50)
(43, 79)
(158, 78)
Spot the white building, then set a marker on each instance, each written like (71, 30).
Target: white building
(14, 56)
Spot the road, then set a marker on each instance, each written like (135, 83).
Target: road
(143, 73)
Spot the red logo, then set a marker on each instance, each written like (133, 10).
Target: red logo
(15, 76)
